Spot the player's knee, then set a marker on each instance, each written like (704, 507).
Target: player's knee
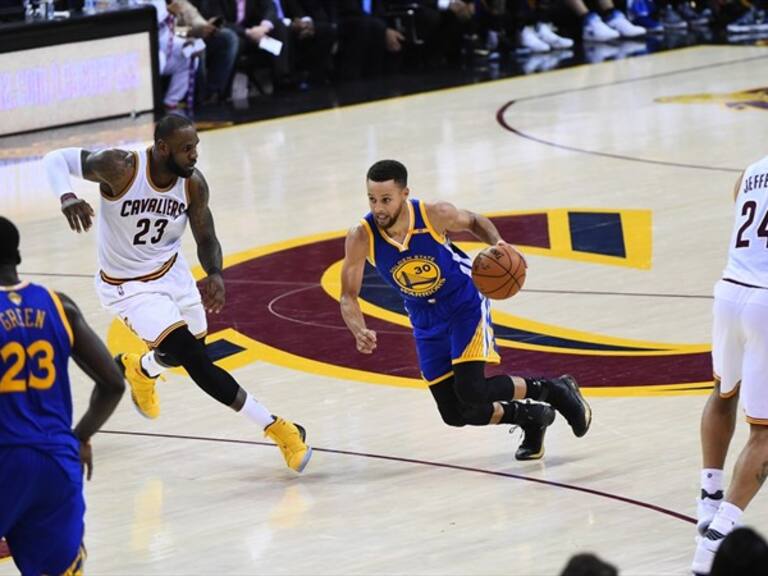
(166, 359)
(475, 415)
(452, 418)
(470, 391)
(469, 382)
(180, 348)
(447, 405)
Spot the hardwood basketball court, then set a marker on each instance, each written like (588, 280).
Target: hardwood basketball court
(614, 179)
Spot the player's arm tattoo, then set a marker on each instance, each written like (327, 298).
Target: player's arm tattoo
(763, 474)
(112, 168)
(201, 222)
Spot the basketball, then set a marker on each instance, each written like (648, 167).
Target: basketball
(499, 272)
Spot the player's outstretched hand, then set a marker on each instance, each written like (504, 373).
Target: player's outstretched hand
(212, 290)
(366, 341)
(522, 256)
(86, 458)
(78, 212)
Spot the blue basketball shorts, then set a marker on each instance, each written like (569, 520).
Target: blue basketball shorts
(448, 335)
(42, 510)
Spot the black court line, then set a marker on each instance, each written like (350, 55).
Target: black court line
(382, 285)
(599, 493)
(504, 124)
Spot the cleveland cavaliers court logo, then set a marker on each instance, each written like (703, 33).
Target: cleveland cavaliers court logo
(283, 308)
(757, 98)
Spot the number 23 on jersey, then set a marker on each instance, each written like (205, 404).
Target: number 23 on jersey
(35, 362)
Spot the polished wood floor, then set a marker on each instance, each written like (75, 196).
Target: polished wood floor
(653, 143)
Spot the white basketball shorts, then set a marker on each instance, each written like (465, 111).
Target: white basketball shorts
(740, 346)
(153, 309)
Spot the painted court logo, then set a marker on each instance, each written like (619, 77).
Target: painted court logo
(283, 308)
(746, 99)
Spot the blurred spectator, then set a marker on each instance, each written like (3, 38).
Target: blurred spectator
(178, 57)
(741, 17)
(643, 13)
(442, 25)
(364, 38)
(309, 36)
(596, 29)
(660, 15)
(743, 552)
(538, 34)
(222, 47)
(588, 565)
(253, 21)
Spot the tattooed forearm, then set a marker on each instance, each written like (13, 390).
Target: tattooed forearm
(763, 474)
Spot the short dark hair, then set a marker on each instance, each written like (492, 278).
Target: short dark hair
(587, 564)
(742, 552)
(170, 124)
(385, 170)
(9, 243)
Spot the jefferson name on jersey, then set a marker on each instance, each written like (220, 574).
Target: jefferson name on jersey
(755, 181)
(160, 206)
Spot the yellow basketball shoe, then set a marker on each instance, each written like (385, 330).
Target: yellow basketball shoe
(289, 437)
(143, 391)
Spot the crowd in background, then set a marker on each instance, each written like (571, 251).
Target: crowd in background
(296, 44)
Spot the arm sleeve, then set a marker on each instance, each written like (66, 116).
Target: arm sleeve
(59, 165)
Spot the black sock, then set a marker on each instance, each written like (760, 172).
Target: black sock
(510, 412)
(537, 388)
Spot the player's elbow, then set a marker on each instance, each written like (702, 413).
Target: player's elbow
(113, 387)
(346, 299)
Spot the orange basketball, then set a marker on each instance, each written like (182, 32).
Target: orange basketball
(499, 272)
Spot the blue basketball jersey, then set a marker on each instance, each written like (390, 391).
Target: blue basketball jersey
(35, 396)
(426, 268)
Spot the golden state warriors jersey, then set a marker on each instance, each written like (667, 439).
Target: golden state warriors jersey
(426, 268)
(35, 345)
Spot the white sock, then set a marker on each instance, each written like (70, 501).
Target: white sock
(711, 480)
(727, 518)
(151, 366)
(256, 412)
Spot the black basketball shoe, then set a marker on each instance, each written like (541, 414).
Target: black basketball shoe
(533, 418)
(566, 398)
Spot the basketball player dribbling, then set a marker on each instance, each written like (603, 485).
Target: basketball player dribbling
(147, 198)
(740, 362)
(405, 239)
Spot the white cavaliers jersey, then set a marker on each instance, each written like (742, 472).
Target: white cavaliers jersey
(748, 255)
(140, 230)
